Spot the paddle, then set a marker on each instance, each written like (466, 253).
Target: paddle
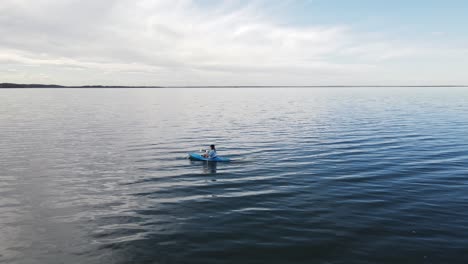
(206, 152)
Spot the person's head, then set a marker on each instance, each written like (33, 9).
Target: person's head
(212, 146)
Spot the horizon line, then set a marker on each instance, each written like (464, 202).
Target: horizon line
(34, 85)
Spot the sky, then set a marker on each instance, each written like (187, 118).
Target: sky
(208, 42)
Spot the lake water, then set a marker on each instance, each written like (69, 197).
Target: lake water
(323, 175)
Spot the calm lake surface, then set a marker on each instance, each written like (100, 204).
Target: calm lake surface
(323, 175)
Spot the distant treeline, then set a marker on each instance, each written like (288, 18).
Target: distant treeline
(17, 85)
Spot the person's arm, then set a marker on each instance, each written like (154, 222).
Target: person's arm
(212, 153)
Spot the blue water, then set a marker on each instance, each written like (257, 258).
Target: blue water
(323, 175)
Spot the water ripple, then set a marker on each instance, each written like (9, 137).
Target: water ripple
(326, 176)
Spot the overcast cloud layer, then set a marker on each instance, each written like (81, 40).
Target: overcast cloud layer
(181, 42)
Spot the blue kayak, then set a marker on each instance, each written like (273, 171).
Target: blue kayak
(196, 156)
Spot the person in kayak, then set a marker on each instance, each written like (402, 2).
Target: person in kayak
(212, 153)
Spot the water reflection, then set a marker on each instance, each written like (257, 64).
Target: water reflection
(207, 167)
(210, 167)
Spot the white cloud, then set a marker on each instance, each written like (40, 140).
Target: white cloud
(178, 42)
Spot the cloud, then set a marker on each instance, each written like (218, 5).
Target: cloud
(180, 42)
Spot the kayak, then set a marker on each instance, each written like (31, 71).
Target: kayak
(196, 156)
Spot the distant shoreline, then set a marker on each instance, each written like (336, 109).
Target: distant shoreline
(15, 85)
